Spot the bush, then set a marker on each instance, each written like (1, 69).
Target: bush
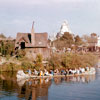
(72, 60)
(11, 67)
(7, 48)
(55, 61)
(38, 64)
(27, 65)
(39, 58)
(20, 54)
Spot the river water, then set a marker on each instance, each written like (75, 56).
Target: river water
(67, 88)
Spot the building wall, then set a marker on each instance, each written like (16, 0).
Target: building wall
(32, 52)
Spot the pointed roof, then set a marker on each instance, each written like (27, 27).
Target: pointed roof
(23, 36)
(65, 27)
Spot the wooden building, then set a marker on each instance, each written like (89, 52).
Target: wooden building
(33, 43)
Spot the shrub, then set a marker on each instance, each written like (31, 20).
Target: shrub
(20, 54)
(38, 64)
(72, 60)
(26, 65)
(11, 67)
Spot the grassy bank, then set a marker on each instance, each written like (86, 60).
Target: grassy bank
(14, 64)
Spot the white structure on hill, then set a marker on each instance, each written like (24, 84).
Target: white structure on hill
(65, 28)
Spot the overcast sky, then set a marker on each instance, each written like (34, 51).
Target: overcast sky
(17, 16)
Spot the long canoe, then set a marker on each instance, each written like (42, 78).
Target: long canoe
(26, 76)
(82, 74)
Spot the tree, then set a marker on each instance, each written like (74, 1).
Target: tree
(78, 40)
(7, 48)
(65, 41)
(39, 65)
(68, 38)
(39, 58)
(20, 53)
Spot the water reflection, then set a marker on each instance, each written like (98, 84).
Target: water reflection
(34, 89)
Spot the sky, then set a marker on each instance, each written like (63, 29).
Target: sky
(16, 16)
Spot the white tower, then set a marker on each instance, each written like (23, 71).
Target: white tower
(65, 28)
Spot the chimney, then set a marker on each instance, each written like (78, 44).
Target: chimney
(32, 35)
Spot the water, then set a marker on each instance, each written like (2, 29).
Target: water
(67, 88)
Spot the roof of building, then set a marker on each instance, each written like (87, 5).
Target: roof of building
(41, 39)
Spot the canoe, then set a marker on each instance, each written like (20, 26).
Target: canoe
(26, 76)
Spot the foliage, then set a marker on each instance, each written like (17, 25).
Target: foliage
(38, 64)
(26, 65)
(72, 60)
(39, 58)
(68, 39)
(11, 67)
(78, 40)
(55, 61)
(67, 36)
(65, 41)
(7, 57)
(20, 53)
(7, 48)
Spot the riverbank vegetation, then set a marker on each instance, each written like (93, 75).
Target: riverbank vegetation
(72, 60)
(56, 61)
